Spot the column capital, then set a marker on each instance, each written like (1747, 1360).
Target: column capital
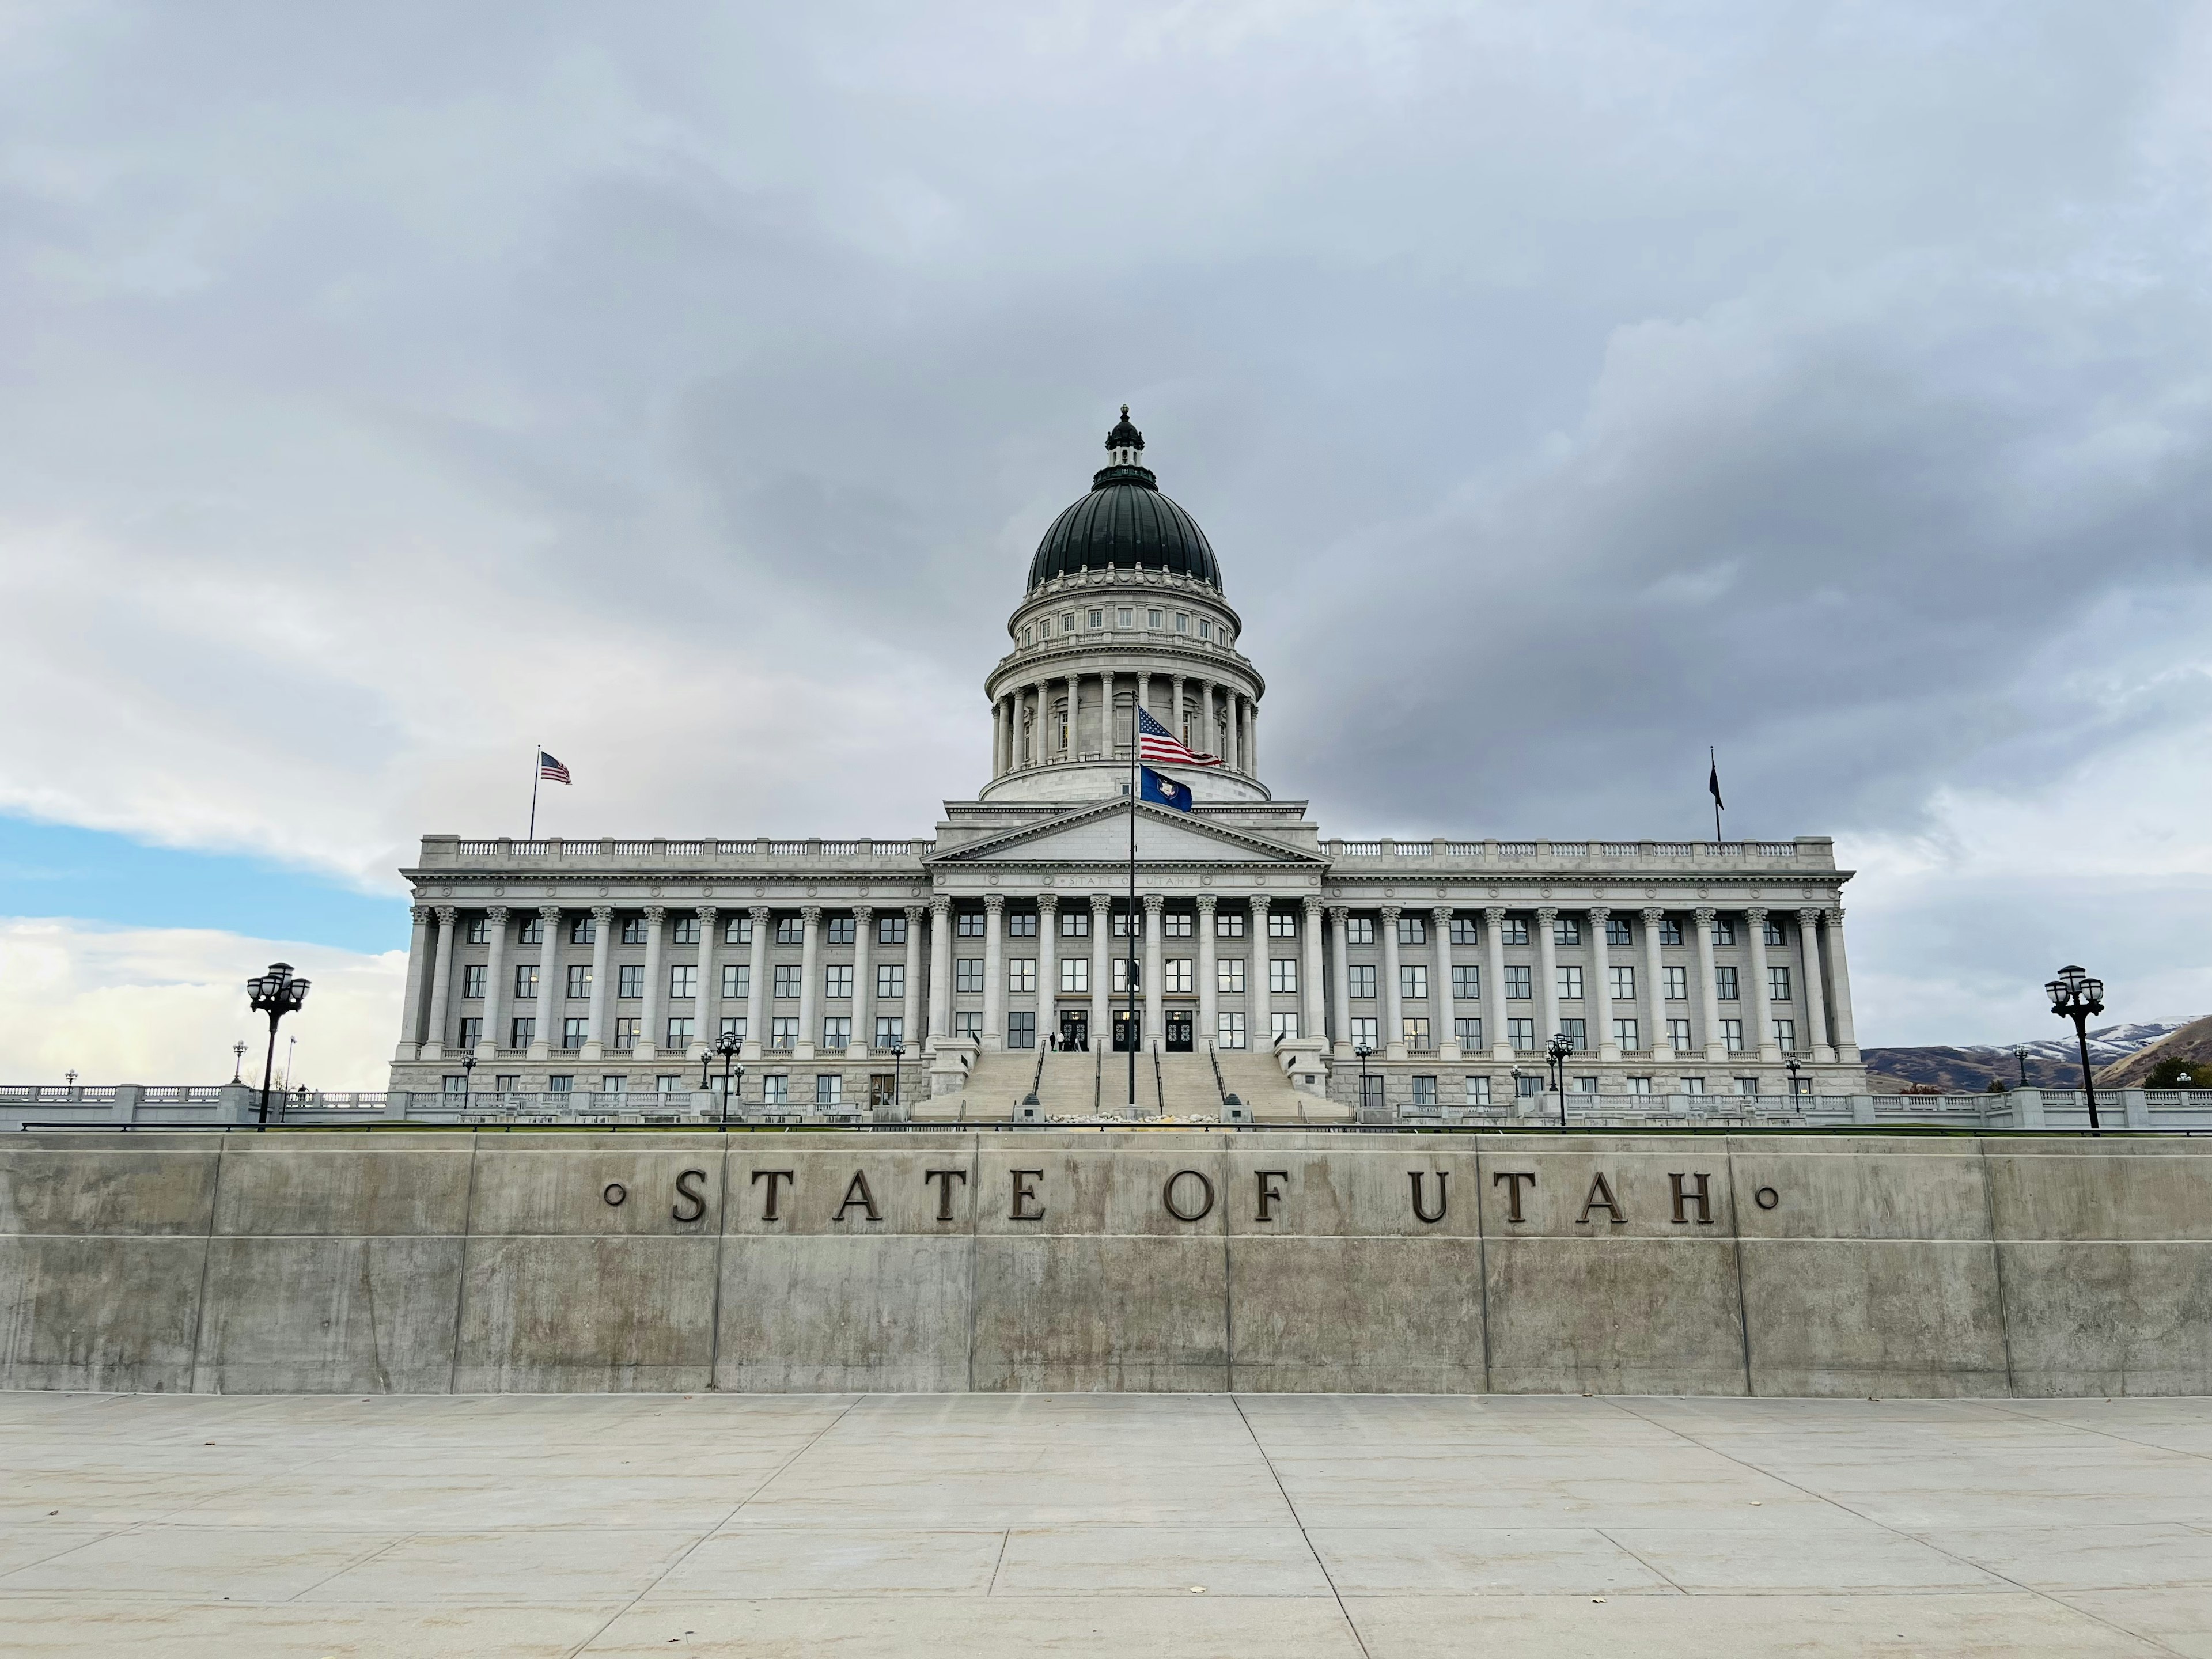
(863, 914)
(1755, 916)
(1833, 916)
(1548, 914)
(1599, 912)
(549, 912)
(995, 904)
(810, 914)
(1154, 903)
(1706, 915)
(603, 913)
(1494, 914)
(915, 913)
(1389, 912)
(1653, 913)
(940, 907)
(759, 913)
(1442, 916)
(1339, 913)
(1100, 903)
(424, 913)
(1208, 903)
(656, 913)
(447, 914)
(496, 912)
(1047, 902)
(1310, 903)
(1808, 917)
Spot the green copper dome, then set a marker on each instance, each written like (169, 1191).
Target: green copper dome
(1125, 524)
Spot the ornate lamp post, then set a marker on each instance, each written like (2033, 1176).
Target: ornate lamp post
(238, 1064)
(898, 1076)
(274, 994)
(2020, 1054)
(1794, 1067)
(1363, 1054)
(1559, 1049)
(2075, 996)
(727, 1045)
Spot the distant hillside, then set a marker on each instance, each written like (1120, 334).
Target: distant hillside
(2053, 1062)
(2192, 1041)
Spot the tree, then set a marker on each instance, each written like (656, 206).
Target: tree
(2178, 1072)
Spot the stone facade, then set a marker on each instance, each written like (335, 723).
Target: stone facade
(857, 970)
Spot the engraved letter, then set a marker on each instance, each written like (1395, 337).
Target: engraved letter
(690, 1195)
(945, 1178)
(1270, 1195)
(1600, 1198)
(1025, 1195)
(1168, 1190)
(1513, 1178)
(771, 1177)
(856, 1192)
(1700, 1198)
(1442, 1201)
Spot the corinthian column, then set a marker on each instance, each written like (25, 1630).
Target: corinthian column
(1597, 995)
(1154, 903)
(1493, 992)
(910, 1032)
(1340, 983)
(994, 971)
(551, 991)
(595, 1034)
(706, 1008)
(650, 1034)
(1762, 1008)
(1102, 967)
(1547, 976)
(441, 979)
(1816, 1002)
(1654, 986)
(418, 965)
(756, 987)
(1313, 1021)
(809, 988)
(940, 970)
(864, 988)
(1209, 990)
(494, 986)
(1393, 1006)
(1048, 991)
(1715, 1050)
(1441, 998)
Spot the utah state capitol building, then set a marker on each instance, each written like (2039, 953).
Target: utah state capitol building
(962, 973)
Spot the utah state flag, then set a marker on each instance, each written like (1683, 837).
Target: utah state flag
(1164, 790)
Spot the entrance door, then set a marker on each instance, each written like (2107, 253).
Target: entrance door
(1178, 1033)
(1075, 1031)
(1128, 1030)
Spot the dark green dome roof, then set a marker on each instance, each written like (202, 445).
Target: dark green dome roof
(1125, 524)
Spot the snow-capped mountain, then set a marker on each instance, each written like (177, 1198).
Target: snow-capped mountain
(2052, 1061)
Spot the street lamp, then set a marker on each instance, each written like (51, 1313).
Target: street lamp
(1794, 1066)
(468, 1079)
(1559, 1049)
(274, 994)
(238, 1064)
(898, 1076)
(727, 1046)
(2074, 995)
(2020, 1054)
(1363, 1054)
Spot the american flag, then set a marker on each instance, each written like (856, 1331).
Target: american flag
(551, 768)
(1154, 743)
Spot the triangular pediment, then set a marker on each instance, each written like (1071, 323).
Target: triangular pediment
(1099, 836)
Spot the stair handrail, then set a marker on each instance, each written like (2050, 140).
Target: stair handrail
(1219, 1087)
(1159, 1087)
(1098, 1081)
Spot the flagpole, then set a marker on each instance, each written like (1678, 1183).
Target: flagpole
(1136, 740)
(537, 770)
(1713, 760)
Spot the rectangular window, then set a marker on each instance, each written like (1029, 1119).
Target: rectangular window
(890, 1031)
(1425, 1092)
(1182, 622)
(1466, 981)
(1723, 931)
(572, 1033)
(680, 1030)
(1371, 1092)
(1175, 925)
(1229, 1030)
(580, 980)
(1075, 975)
(968, 1022)
(533, 931)
(1175, 974)
(1153, 618)
(837, 1033)
(1467, 1033)
(1670, 930)
(1125, 616)
(472, 982)
(1412, 930)
(1747, 1086)
(1521, 1034)
(737, 981)
(1570, 982)
(1228, 924)
(583, 931)
(1413, 981)
(1121, 975)
(1775, 935)
(524, 1033)
(1099, 619)
(1725, 984)
(1283, 975)
(1074, 924)
(626, 1033)
(1463, 931)
(666, 1085)
(787, 977)
(890, 930)
(560, 1085)
(775, 1088)
(1122, 925)
(1021, 1028)
(782, 1032)
(683, 980)
(1284, 1027)
(890, 980)
(1693, 1086)
(1021, 973)
(969, 924)
(479, 930)
(1067, 621)
(457, 1084)
(1778, 984)
(734, 1025)
(1639, 1085)
(838, 981)
(828, 1088)
(1359, 930)
(472, 1032)
(1732, 1035)
(1417, 1031)
(633, 930)
(840, 931)
(1021, 924)
(1585, 1085)
(629, 981)
(1228, 974)
(738, 930)
(968, 975)
(1520, 983)
(1282, 924)
(1477, 1091)
(791, 930)
(1678, 1033)
(1786, 1035)
(1360, 977)
(1676, 983)
(1364, 1032)
(1577, 1033)
(1566, 930)
(1624, 983)
(1617, 930)
(1627, 1035)
(686, 931)
(614, 1086)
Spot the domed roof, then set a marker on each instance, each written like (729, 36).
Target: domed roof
(1125, 524)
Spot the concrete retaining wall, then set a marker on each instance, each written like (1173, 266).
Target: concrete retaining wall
(430, 1262)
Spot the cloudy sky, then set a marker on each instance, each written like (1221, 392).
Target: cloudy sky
(1565, 387)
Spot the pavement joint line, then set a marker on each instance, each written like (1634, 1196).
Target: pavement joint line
(2010, 1410)
(691, 1549)
(992, 1588)
(1327, 1577)
(389, 1544)
(2006, 1578)
(1649, 1566)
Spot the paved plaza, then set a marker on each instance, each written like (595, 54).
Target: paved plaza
(1395, 1527)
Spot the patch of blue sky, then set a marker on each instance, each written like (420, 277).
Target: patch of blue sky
(93, 875)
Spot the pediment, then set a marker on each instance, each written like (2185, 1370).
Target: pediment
(1099, 836)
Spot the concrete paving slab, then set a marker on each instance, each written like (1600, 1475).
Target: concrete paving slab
(202, 1563)
(1170, 1561)
(1482, 1561)
(2090, 1558)
(2180, 1619)
(586, 1565)
(755, 1559)
(97, 1627)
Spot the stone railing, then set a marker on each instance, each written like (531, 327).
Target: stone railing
(442, 851)
(1806, 852)
(2155, 1111)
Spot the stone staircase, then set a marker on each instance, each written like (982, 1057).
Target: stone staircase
(1186, 1088)
(1069, 1087)
(1256, 1077)
(996, 1082)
